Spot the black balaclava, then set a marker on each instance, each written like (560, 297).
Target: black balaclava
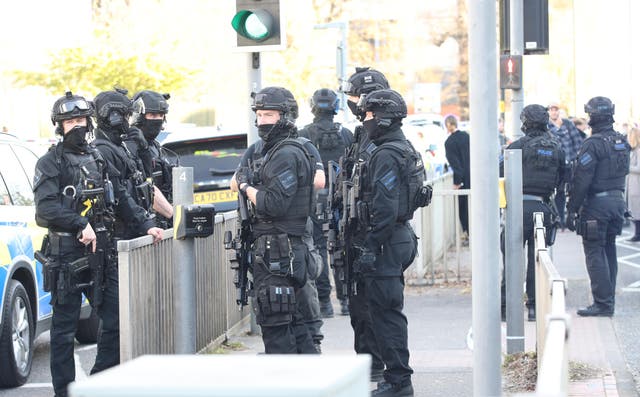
(151, 128)
(598, 122)
(378, 134)
(75, 140)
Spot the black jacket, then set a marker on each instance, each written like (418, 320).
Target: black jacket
(457, 151)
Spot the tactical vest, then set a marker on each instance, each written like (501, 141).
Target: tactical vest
(161, 170)
(413, 194)
(541, 161)
(90, 194)
(328, 139)
(613, 168)
(301, 205)
(140, 189)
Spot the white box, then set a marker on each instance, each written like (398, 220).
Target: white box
(232, 376)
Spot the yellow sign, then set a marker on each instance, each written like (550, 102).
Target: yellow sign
(216, 196)
(503, 196)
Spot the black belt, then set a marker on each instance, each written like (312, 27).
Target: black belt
(532, 197)
(609, 193)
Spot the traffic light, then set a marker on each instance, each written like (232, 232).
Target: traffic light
(511, 72)
(258, 25)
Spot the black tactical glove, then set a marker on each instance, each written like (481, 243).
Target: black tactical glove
(137, 136)
(572, 220)
(365, 262)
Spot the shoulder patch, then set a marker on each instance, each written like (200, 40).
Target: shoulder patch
(389, 180)
(585, 159)
(287, 179)
(37, 176)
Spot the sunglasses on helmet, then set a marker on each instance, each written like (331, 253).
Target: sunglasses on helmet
(70, 106)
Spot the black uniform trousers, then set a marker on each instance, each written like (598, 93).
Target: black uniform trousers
(600, 248)
(529, 207)
(108, 354)
(364, 339)
(307, 299)
(64, 324)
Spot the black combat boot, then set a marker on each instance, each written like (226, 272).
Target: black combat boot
(636, 236)
(386, 389)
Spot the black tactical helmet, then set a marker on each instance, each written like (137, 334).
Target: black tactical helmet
(277, 98)
(600, 106)
(534, 116)
(386, 106)
(108, 101)
(148, 101)
(364, 81)
(324, 100)
(68, 107)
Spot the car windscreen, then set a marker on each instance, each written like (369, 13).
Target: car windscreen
(211, 158)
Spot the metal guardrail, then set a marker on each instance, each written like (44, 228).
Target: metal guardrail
(438, 229)
(552, 327)
(146, 292)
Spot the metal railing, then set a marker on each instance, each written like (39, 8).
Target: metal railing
(438, 229)
(552, 327)
(146, 292)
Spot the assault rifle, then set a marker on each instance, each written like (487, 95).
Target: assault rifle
(98, 202)
(241, 257)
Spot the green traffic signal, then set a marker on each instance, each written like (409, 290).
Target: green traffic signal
(257, 25)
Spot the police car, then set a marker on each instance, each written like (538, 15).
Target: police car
(25, 311)
(214, 156)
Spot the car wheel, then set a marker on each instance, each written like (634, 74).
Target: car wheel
(88, 328)
(16, 337)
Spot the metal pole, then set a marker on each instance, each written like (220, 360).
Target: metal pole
(514, 253)
(483, 90)
(255, 85)
(516, 34)
(184, 270)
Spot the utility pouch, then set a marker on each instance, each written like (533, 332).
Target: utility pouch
(282, 299)
(363, 213)
(49, 274)
(275, 251)
(591, 232)
(144, 192)
(423, 196)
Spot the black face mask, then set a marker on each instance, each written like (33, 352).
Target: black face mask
(117, 122)
(354, 109)
(75, 139)
(151, 128)
(373, 130)
(265, 131)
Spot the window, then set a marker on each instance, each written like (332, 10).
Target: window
(16, 180)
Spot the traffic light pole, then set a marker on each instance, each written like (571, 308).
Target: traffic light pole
(516, 33)
(484, 199)
(255, 84)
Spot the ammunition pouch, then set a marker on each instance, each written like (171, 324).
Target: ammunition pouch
(276, 305)
(362, 208)
(144, 194)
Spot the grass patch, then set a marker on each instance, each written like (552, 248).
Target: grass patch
(227, 347)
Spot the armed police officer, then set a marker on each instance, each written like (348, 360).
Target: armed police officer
(596, 204)
(280, 190)
(392, 189)
(112, 108)
(349, 231)
(331, 139)
(543, 165)
(149, 114)
(76, 201)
